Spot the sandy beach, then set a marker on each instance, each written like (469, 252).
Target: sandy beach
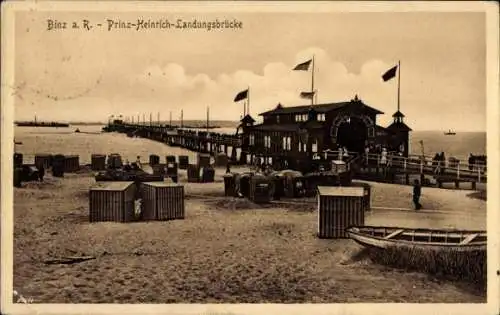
(226, 250)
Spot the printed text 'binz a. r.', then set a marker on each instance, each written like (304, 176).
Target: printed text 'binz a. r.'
(142, 24)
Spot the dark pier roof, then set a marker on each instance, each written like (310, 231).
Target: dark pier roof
(319, 108)
(401, 126)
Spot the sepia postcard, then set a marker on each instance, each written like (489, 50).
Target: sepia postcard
(291, 157)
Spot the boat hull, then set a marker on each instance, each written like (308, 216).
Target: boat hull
(381, 243)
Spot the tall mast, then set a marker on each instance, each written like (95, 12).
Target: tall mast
(208, 119)
(248, 101)
(312, 82)
(399, 82)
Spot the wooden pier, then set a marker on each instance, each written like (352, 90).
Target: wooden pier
(372, 165)
(199, 141)
(364, 166)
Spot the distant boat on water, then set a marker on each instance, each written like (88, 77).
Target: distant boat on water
(41, 124)
(36, 123)
(450, 133)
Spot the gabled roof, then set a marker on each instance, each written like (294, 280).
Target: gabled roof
(399, 126)
(303, 109)
(247, 119)
(398, 114)
(319, 108)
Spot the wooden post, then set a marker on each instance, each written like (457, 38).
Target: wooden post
(458, 170)
(479, 174)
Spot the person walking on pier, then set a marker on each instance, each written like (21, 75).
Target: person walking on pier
(367, 154)
(442, 160)
(346, 153)
(340, 153)
(417, 191)
(383, 157)
(471, 161)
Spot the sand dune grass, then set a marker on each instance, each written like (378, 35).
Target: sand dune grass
(224, 251)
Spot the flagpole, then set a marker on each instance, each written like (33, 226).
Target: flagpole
(399, 81)
(312, 81)
(248, 101)
(208, 110)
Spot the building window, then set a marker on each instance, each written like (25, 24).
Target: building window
(287, 143)
(314, 146)
(371, 132)
(321, 117)
(267, 141)
(252, 139)
(278, 119)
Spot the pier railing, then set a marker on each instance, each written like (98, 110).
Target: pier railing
(455, 170)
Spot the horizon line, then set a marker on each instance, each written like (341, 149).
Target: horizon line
(223, 120)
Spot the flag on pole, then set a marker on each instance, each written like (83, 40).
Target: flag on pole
(303, 66)
(307, 95)
(391, 73)
(241, 96)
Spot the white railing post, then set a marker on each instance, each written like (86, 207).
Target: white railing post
(458, 170)
(404, 164)
(479, 174)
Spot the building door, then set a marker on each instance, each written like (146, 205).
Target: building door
(352, 134)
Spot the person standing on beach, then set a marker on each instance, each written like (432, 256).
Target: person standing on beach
(138, 162)
(41, 173)
(417, 191)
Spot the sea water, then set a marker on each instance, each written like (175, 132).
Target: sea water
(90, 140)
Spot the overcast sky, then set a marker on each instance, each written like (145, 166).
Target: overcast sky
(89, 75)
